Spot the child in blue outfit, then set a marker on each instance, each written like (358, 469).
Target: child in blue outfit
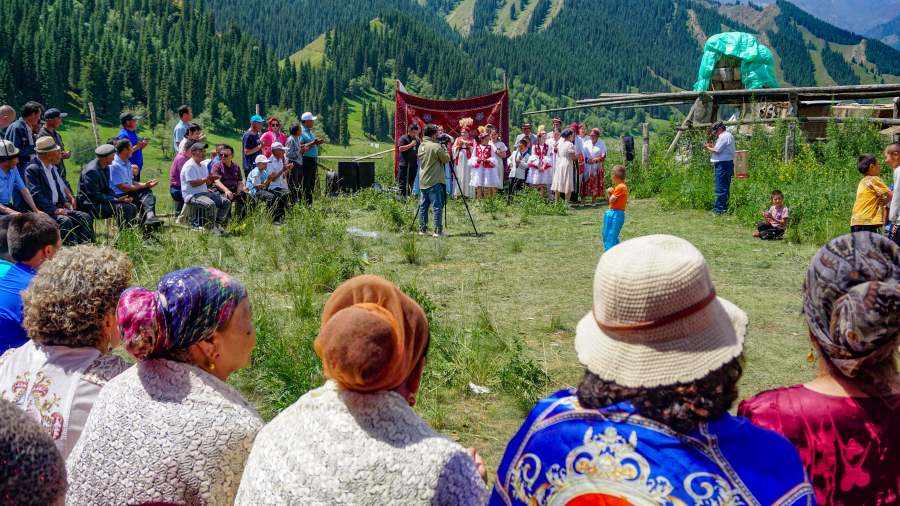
(614, 218)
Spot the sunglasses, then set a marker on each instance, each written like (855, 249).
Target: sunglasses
(276, 124)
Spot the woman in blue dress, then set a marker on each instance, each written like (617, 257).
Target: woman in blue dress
(649, 423)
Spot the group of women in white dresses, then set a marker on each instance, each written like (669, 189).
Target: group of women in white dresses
(481, 158)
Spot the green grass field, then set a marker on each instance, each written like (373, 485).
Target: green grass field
(503, 306)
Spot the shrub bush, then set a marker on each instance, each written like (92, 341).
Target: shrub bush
(819, 184)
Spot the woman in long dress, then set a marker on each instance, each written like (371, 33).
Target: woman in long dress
(501, 154)
(463, 151)
(594, 150)
(564, 175)
(484, 171)
(540, 166)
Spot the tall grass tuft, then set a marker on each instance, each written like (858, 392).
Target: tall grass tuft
(409, 248)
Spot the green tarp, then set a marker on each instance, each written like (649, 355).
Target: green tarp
(757, 63)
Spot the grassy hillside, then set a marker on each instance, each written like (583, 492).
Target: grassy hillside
(313, 53)
(854, 54)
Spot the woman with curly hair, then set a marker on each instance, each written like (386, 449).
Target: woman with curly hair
(70, 315)
(170, 429)
(649, 423)
(844, 422)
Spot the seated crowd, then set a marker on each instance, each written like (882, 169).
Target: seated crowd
(649, 422)
(207, 191)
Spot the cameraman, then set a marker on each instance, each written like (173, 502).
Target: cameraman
(432, 184)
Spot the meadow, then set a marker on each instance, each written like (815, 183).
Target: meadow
(503, 305)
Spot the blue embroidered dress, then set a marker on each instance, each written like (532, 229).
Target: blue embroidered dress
(568, 455)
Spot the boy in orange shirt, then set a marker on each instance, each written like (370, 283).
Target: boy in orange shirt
(614, 218)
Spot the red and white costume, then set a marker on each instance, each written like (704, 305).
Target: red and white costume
(540, 165)
(463, 151)
(484, 167)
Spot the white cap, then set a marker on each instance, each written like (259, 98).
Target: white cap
(261, 159)
(307, 116)
(277, 145)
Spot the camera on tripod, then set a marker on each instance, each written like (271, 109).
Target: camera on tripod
(444, 140)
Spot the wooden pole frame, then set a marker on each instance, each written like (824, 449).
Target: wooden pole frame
(94, 124)
(684, 124)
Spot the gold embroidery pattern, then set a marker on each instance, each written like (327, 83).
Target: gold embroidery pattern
(609, 463)
(46, 406)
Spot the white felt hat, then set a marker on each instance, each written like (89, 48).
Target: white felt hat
(656, 319)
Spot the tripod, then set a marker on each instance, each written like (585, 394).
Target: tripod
(461, 194)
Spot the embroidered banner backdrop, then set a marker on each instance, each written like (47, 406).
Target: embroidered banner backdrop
(493, 109)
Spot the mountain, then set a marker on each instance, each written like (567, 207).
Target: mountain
(889, 32)
(860, 16)
(224, 58)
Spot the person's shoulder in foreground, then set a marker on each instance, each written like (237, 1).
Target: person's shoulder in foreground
(564, 451)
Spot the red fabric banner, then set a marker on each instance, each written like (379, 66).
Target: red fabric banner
(493, 109)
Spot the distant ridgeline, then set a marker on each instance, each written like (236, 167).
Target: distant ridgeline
(226, 56)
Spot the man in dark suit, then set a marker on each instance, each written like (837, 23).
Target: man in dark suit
(23, 132)
(95, 195)
(53, 197)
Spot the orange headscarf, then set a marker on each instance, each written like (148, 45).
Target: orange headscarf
(373, 336)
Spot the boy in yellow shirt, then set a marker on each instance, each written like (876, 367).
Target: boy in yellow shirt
(871, 197)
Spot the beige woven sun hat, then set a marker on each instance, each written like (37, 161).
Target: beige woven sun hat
(657, 320)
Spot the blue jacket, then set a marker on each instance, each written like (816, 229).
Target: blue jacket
(18, 134)
(565, 453)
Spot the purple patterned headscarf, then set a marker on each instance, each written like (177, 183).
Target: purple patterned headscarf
(187, 307)
(849, 294)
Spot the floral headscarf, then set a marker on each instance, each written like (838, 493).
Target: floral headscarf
(187, 307)
(850, 288)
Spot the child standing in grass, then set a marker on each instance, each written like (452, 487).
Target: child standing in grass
(871, 197)
(614, 218)
(776, 219)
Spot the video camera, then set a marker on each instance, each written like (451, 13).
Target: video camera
(444, 139)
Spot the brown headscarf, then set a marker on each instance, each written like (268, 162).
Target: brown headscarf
(373, 336)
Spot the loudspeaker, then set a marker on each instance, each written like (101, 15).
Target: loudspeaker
(354, 176)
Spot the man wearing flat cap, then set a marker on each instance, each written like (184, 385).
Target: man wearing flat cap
(95, 194)
(52, 196)
(14, 195)
(53, 119)
(722, 151)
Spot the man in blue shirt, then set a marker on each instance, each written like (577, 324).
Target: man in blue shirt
(252, 147)
(14, 196)
(33, 238)
(309, 146)
(129, 131)
(23, 133)
(723, 159)
(181, 128)
(122, 182)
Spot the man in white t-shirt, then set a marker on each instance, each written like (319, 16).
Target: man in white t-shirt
(195, 181)
(723, 160)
